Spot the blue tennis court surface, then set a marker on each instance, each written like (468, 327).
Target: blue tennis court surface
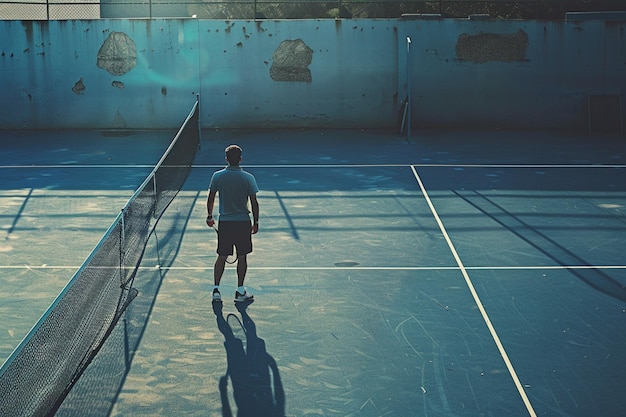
(462, 274)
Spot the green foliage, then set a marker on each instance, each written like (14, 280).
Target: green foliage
(315, 9)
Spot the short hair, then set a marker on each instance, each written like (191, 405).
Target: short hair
(233, 153)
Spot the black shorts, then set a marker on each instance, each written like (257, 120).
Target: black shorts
(237, 234)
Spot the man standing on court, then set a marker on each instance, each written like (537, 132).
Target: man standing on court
(235, 188)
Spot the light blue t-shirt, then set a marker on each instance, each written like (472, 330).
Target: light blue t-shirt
(234, 186)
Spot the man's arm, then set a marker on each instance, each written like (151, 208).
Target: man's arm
(254, 204)
(210, 202)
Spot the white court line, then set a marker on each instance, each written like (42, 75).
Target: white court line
(209, 265)
(118, 166)
(423, 165)
(479, 303)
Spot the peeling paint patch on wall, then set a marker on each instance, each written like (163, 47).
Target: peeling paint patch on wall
(291, 62)
(79, 87)
(488, 46)
(118, 54)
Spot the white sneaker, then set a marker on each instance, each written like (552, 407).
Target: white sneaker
(240, 298)
(216, 295)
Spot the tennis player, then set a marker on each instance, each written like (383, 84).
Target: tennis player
(235, 188)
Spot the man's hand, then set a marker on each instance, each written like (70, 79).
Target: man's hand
(210, 221)
(255, 228)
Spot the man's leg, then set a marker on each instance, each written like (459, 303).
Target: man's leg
(242, 294)
(218, 270)
(244, 247)
(242, 268)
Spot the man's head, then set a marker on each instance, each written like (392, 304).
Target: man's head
(233, 155)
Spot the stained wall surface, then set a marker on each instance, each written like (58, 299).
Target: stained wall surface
(145, 74)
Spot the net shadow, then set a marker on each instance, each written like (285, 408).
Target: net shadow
(98, 388)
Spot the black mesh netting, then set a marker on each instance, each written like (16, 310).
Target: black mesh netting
(40, 373)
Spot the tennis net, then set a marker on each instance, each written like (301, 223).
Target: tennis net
(42, 370)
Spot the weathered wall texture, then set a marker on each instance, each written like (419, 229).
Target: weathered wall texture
(125, 73)
(520, 74)
(497, 47)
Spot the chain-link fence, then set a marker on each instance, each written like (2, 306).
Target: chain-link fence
(49, 9)
(297, 9)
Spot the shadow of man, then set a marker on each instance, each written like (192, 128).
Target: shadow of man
(256, 383)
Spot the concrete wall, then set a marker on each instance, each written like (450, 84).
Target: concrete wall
(512, 73)
(125, 73)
